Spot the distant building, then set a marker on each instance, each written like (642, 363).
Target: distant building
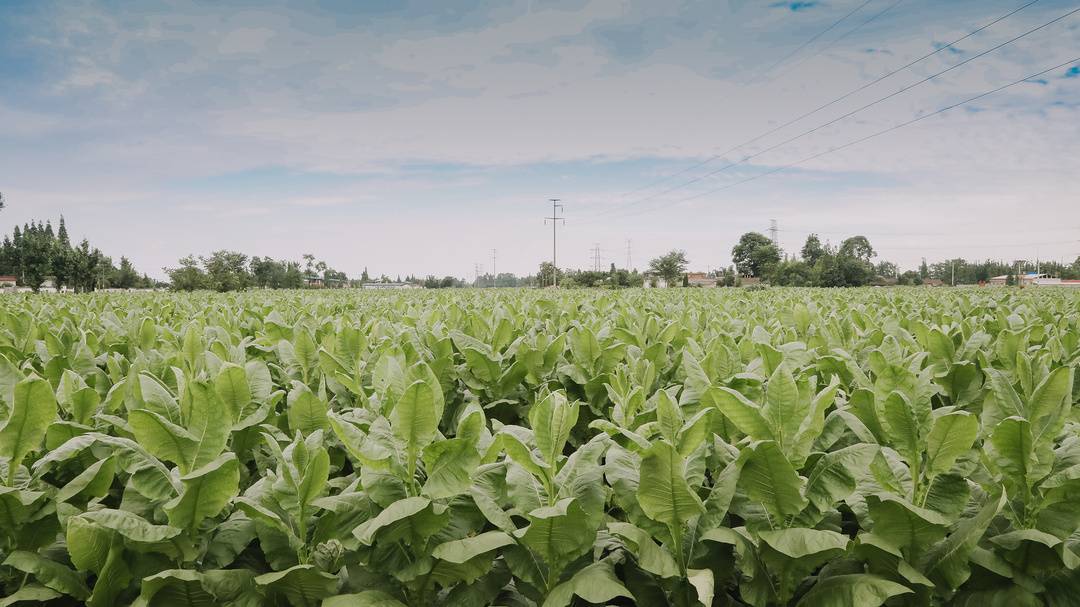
(7, 282)
(933, 282)
(654, 281)
(700, 279)
(1046, 281)
(313, 281)
(390, 285)
(1026, 280)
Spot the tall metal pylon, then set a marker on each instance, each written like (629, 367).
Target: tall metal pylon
(774, 230)
(555, 219)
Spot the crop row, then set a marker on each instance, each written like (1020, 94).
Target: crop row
(783, 447)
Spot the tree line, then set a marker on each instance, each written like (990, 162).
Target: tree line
(234, 271)
(36, 254)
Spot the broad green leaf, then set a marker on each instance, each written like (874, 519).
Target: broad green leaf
(768, 478)
(663, 492)
(746, 416)
(852, 590)
(33, 408)
(459, 551)
(302, 585)
(414, 420)
(307, 412)
(552, 419)
(950, 437)
(207, 491)
(164, 439)
(49, 573)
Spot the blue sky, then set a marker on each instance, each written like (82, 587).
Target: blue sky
(417, 136)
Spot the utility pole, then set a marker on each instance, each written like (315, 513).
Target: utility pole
(476, 270)
(493, 274)
(774, 228)
(627, 254)
(555, 219)
(953, 280)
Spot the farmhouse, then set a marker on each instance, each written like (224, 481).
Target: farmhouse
(1055, 282)
(390, 285)
(1026, 280)
(700, 279)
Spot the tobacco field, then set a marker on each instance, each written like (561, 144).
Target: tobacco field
(684, 447)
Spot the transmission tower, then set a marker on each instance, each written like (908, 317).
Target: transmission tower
(774, 229)
(493, 273)
(627, 254)
(555, 219)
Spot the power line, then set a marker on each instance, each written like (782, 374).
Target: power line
(877, 134)
(832, 42)
(852, 112)
(819, 108)
(882, 132)
(815, 37)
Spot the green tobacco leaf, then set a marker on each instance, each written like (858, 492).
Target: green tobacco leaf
(49, 573)
(409, 517)
(950, 437)
(783, 411)
(663, 493)
(233, 390)
(768, 478)
(902, 524)
(209, 422)
(852, 590)
(33, 408)
(302, 585)
(746, 416)
(559, 533)
(902, 427)
(595, 584)
(164, 439)
(552, 419)
(30, 594)
(206, 492)
(1014, 452)
(414, 420)
(460, 551)
(307, 412)
(649, 555)
(368, 598)
(947, 564)
(449, 465)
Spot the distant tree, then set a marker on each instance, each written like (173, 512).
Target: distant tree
(924, 270)
(227, 271)
(792, 273)
(547, 274)
(813, 250)
(887, 269)
(857, 247)
(188, 277)
(125, 277)
(670, 266)
(755, 254)
(36, 257)
(910, 277)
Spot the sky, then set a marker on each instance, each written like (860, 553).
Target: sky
(417, 137)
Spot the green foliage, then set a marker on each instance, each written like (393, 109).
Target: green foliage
(785, 447)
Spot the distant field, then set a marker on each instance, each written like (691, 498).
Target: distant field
(534, 447)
